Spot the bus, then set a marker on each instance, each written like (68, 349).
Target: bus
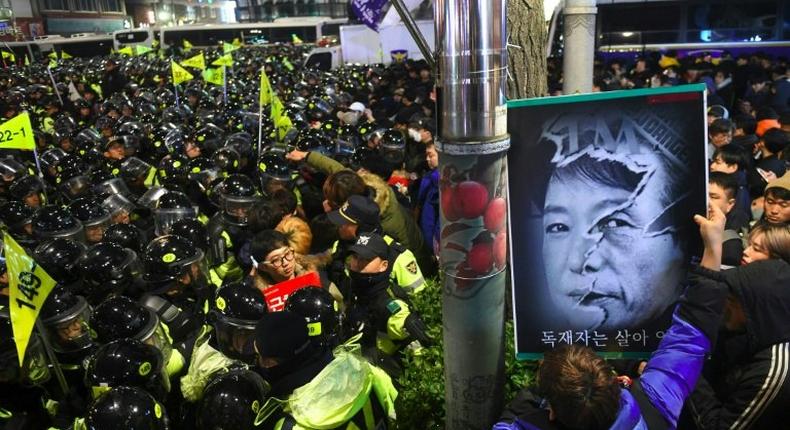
(79, 46)
(309, 30)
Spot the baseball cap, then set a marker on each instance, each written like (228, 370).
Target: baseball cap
(357, 209)
(423, 123)
(370, 246)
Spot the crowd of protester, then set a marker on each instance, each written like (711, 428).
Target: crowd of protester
(723, 363)
(175, 222)
(173, 219)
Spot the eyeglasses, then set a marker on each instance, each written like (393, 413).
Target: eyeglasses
(278, 262)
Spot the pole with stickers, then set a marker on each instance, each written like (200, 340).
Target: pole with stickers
(29, 287)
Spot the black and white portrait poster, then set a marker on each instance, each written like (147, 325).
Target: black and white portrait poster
(603, 189)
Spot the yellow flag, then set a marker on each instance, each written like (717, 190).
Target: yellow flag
(197, 62)
(236, 42)
(215, 76)
(179, 74)
(64, 55)
(277, 109)
(27, 60)
(283, 125)
(287, 64)
(17, 133)
(187, 45)
(53, 55)
(265, 96)
(142, 49)
(227, 48)
(296, 40)
(126, 50)
(30, 285)
(155, 44)
(9, 55)
(225, 60)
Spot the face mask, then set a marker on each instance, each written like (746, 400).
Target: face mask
(757, 212)
(415, 135)
(363, 281)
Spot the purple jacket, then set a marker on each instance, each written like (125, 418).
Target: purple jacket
(667, 381)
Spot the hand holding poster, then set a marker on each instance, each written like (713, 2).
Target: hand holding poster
(602, 227)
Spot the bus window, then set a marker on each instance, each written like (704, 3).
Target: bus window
(86, 48)
(331, 30)
(130, 37)
(657, 24)
(754, 21)
(176, 37)
(321, 61)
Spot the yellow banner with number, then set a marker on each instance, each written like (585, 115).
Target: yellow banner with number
(17, 133)
(198, 62)
(215, 76)
(30, 285)
(179, 73)
(126, 50)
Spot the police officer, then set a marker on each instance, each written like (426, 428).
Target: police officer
(237, 308)
(108, 269)
(126, 408)
(360, 215)
(59, 258)
(227, 229)
(53, 221)
(176, 273)
(18, 217)
(339, 391)
(94, 218)
(66, 319)
(127, 362)
(321, 314)
(171, 207)
(379, 309)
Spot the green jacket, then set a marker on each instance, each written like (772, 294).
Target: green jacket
(349, 393)
(396, 221)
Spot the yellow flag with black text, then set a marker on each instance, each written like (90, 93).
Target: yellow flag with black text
(225, 60)
(179, 73)
(17, 133)
(126, 50)
(198, 62)
(29, 287)
(215, 76)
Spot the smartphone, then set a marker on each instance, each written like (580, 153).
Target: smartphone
(763, 173)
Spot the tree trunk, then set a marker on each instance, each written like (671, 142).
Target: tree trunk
(527, 49)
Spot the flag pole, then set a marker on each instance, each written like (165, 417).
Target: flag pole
(260, 118)
(225, 84)
(64, 386)
(54, 85)
(175, 87)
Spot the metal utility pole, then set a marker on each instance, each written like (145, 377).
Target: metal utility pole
(471, 64)
(579, 51)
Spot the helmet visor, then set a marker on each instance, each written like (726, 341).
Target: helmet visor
(70, 331)
(165, 218)
(75, 187)
(232, 336)
(237, 209)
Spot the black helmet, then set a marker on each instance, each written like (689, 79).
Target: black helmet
(107, 270)
(237, 195)
(110, 186)
(347, 140)
(126, 407)
(226, 159)
(58, 257)
(173, 170)
(16, 215)
(54, 221)
(320, 311)
(94, 217)
(11, 169)
(35, 366)
(73, 183)
(274, 170)
(28, 186)
(66, 319)
(127, 362)
(318, 109)
(170, 208)
(125, 235)
(392, 146)
(119, 317)
(232, 401)
(49, 160)
(168, 257)
(193, 230)
(237, 308)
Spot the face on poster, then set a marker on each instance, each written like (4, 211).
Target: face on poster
(603, 191)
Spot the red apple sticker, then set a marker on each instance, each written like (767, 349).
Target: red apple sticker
(494, 217)
(471, 199)
(448, 206)
(500, 249)
(480, 258)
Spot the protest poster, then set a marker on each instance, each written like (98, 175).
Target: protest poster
(277, 295)
(603, 189)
